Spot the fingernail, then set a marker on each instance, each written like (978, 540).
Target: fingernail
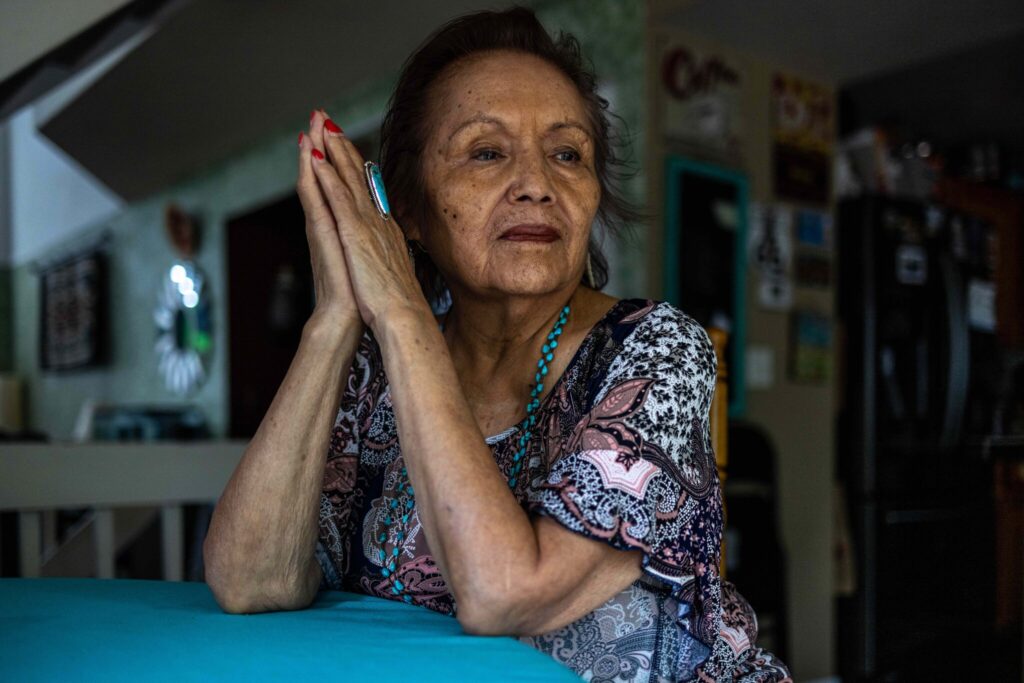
(317, 154)
(332, 127)
(300, 139)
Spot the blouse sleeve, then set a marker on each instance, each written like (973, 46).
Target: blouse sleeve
(637, 470)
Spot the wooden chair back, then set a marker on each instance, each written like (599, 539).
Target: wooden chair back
(719, 420)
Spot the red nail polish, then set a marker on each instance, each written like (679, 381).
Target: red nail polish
(332, 127)
(300, 139)
(317, 154)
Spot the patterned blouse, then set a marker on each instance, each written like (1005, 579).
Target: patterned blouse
(621, 455)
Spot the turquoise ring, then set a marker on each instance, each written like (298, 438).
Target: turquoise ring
(375, 183)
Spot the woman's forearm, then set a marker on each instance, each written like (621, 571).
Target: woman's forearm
(259, 551)
(480, 537)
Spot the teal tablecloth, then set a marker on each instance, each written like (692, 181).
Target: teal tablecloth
(94, 630)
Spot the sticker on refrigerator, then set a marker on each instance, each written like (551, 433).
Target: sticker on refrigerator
(981, 305)
(911, 265)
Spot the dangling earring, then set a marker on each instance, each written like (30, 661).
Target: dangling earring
(590, 273)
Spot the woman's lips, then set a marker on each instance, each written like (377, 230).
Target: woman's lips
(530, 233)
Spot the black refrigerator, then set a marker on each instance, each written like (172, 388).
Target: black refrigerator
(920, 390)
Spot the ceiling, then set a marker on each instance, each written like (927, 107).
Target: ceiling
(841, 41)
(211, 78)
(218, 76)
(34, 27)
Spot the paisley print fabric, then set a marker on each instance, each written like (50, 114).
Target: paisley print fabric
(622, 455)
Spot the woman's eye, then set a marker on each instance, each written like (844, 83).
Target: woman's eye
(568, 155)
(486, 154)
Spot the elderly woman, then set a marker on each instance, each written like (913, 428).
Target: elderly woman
(536, 461)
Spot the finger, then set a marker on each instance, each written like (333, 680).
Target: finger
(316, 128)
(308, 187)
(336, 145)
(339, 195)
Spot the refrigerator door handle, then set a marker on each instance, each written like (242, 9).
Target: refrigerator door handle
(958, 344)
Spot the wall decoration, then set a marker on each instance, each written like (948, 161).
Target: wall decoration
(814, 229)
(701, 101)
(184, 331)
(705, 255)
(804, 137)
(810, 348)
(183, 312)
(73, 311)
(770, 249)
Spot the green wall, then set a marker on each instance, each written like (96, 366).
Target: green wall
(6, 321)
(610, 31)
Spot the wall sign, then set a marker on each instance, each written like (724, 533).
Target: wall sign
(804, 135)
(701, 100)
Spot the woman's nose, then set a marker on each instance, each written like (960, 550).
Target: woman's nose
(531, 182)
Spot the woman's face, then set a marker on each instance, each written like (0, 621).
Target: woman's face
(509, 171)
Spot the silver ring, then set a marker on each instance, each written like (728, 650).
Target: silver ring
(375, 184)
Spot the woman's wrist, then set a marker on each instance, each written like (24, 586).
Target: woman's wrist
(328, 330)
(402, 320)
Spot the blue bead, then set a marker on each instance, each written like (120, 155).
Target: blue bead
(532, 419)
(554, 345)
(381, 552)
(517, 456)
(550, 357)
(387, 519)
(394, 589)
(405, 519)
(533, 392)
(536, 378)
(558, 332)
(404, 471)
(551, 335)
(401, 535)
(545, 348)
(540, 388)
(385, 572)
(382, 538)
(565, 310)
(399, 585)
(394, 552)
(394, 503)
(544, 370)
(540, 363)
(409, 504)
(409, 489)
(391, 565)
(512, 481)
(407, 598)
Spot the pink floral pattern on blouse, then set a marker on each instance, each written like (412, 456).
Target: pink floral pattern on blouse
(622, 455)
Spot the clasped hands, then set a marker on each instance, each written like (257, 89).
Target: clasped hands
(361, 264)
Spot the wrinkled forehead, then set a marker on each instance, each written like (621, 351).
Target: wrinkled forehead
(506, 85)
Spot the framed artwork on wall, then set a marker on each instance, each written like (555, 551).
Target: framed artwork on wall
(73, 313)
(705, 255)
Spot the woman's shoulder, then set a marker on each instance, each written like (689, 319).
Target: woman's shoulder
(658, 329)
(653, 340)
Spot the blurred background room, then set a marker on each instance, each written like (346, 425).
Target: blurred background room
(837, 187)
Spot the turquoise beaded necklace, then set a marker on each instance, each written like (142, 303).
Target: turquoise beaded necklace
(398, 512)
